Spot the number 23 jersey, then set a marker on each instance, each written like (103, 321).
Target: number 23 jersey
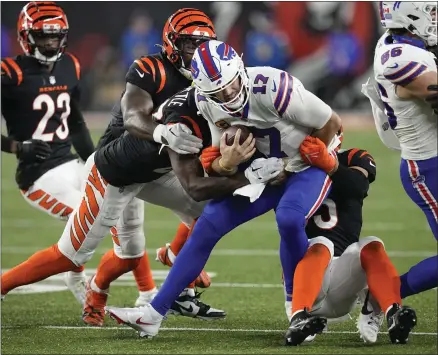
(36, 105)
(412, 121)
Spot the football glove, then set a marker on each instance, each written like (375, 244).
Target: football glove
(208, 156)
(33, 150)
(177, 137)
(432, 99)
(263, 170)
(314, 152)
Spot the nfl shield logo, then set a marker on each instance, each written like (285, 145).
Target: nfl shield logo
(52, 80)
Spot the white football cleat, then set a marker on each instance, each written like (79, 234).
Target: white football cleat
(145, 297)
(76, 283)
(369, 326)
(145, 320)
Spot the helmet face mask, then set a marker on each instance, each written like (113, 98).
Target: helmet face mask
(42, 30)
(220, 76)
(419, 18)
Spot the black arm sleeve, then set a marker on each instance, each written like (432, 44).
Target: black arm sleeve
(79, 133)
(350, 182)
(7, 144)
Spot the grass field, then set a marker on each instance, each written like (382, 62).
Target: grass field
(246, 282)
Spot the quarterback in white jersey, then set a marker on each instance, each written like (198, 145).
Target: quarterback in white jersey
(282, 115)
(404, 69)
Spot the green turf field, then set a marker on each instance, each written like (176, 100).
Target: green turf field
(246, 282)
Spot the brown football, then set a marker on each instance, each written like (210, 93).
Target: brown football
(231, 132)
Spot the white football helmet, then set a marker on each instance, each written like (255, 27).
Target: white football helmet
(215, 66)
(418, 18)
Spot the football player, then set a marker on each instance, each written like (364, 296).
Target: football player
(404, 68)
(282, 113)
(119, 171)
(40, 95)
(341, 265)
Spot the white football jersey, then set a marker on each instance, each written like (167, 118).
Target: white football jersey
(412, 121)
(279, 107)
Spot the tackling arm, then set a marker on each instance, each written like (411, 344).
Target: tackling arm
(190, 173)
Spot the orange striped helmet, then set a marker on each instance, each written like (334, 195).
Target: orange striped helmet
(42, 20)
(185, 24)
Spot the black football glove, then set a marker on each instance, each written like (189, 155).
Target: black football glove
(432, 99)
(33, 150)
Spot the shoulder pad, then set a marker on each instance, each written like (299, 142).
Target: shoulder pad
(153, 67)
(77, 66)
(360, 158)
(11, 72)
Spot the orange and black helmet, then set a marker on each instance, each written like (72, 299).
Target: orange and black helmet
(42, 19)
(186, 23)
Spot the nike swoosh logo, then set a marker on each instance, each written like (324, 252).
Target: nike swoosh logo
(140, 74)
(275, 87)
(372, 164)
(138, 321)
(393, 67)
(255, 169)
(189, 310)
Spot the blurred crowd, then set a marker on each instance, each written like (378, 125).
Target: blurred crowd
(327, 45)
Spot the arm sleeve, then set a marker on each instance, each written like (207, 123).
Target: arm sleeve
(79, 133)
(291, 101)
(360, 158)
(7, 144)
(142, 73)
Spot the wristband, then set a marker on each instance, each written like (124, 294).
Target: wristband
(158, 133)
(224, 168)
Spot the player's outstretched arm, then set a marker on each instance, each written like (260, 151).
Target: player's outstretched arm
(137, 107)
(190, 173)
(79, 133)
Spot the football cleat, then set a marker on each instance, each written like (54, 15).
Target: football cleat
(145, 297)
(369, 321)
(303, 325)
(166, 257)
(190, 306)
(75, 281)
(145, 320)
(401, 320)
(93, 312)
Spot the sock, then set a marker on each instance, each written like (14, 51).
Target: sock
(143, 274)
(111, 267)
(180, 238)
(382, 277)
(420, 277)
(188, 265)
(305, 288)
(39, 266)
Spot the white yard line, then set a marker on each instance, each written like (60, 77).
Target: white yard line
(222, 252)
(233, 330)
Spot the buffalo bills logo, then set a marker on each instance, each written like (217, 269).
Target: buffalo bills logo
(418, 180)
(194, 69)
(225, 52)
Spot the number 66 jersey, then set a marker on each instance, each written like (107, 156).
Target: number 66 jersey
(412, 121)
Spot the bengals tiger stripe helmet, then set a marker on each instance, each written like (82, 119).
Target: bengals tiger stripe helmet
(185, 24)
(42, 19)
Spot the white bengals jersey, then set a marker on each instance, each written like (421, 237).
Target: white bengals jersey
(412, 121)
(282, 111)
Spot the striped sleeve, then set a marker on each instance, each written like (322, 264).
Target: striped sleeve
(404, 73)
(11, 72)
(283, 93)
(148, 73)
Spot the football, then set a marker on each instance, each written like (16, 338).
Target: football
(231, 132)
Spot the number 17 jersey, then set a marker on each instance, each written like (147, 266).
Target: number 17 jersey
(412, 121)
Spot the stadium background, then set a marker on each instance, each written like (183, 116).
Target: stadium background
(327, 45)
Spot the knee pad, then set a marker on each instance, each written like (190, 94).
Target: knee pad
(367, 240)
(129, 242)
(324, 241)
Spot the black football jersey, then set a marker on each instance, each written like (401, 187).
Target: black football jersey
(127, 160)
(154, 74)
(35, 104)
(340, 217)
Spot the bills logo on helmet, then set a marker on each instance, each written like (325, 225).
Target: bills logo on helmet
(225, 51)
(194, 68)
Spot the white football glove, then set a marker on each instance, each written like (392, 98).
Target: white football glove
(177, 137)
(262, 170)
